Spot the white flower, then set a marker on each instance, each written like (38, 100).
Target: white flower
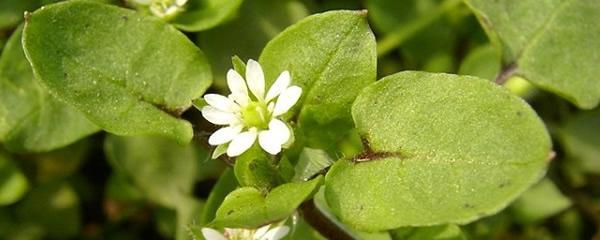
(250, 117)
(262, 233)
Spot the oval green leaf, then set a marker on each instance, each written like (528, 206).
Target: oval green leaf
(204, 14)
(246, 207)
(332, 56)
(128, 73)
(550, 43)
(441, 149)
(31, 120)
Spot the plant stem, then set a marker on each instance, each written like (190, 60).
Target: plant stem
(321, 223)
(405, 31)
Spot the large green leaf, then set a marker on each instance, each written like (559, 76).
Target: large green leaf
(162, 169)
(246, 207)
(127, 72)
(550, 42)
(30, 118)
(13, 183)
(204, 14)
(440, 149)
(332, 57)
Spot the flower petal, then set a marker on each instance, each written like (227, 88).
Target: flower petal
(286, 100)
(224, 135)
(276, 233)
(181, 2)
(261, 231)
(242, 142)
(215, 116)
(255, 79)
(211, 234)
(269, 142)
(280, 129)
(238, 88)
(221, 102)
(282, 82)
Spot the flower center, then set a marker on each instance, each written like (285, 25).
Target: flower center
(256, 114)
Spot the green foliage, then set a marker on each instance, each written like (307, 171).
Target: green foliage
(338, 60)
(539, 202)
(415, 155)
(545, 45)
(128, 73)
(430, 134)
(13, 184)
(204, 14)
(30, 118)
(246, 207)
(164, 170)
(581, 141)
(442, 232)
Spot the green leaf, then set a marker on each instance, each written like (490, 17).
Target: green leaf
(127, 72)
(337, 60)
(30, 119)
(204, 14)
(13, 183)
(483, 62)
(162, 169)
(256, 168)
(246, 207)
(257, 22)
(226, 184)
(581, 142)
(441, 149)
(311, 162)
(550, 46)
(441, 232)
(539, 202)
(53, 207)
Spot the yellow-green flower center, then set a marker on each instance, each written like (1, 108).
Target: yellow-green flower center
(256, 114)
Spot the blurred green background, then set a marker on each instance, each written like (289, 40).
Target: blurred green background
(110, 187)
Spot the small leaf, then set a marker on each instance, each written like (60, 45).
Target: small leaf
(311, 162)
(441, 149)
(246, 207)
(128, 73)
(13, 184)
(256, 168)
(337, 60)
(539, 202)
(204, 14)
(483, 62)
(581, 141)
(226, 184)
(162, 169)
(31, 120)
(551, 46)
